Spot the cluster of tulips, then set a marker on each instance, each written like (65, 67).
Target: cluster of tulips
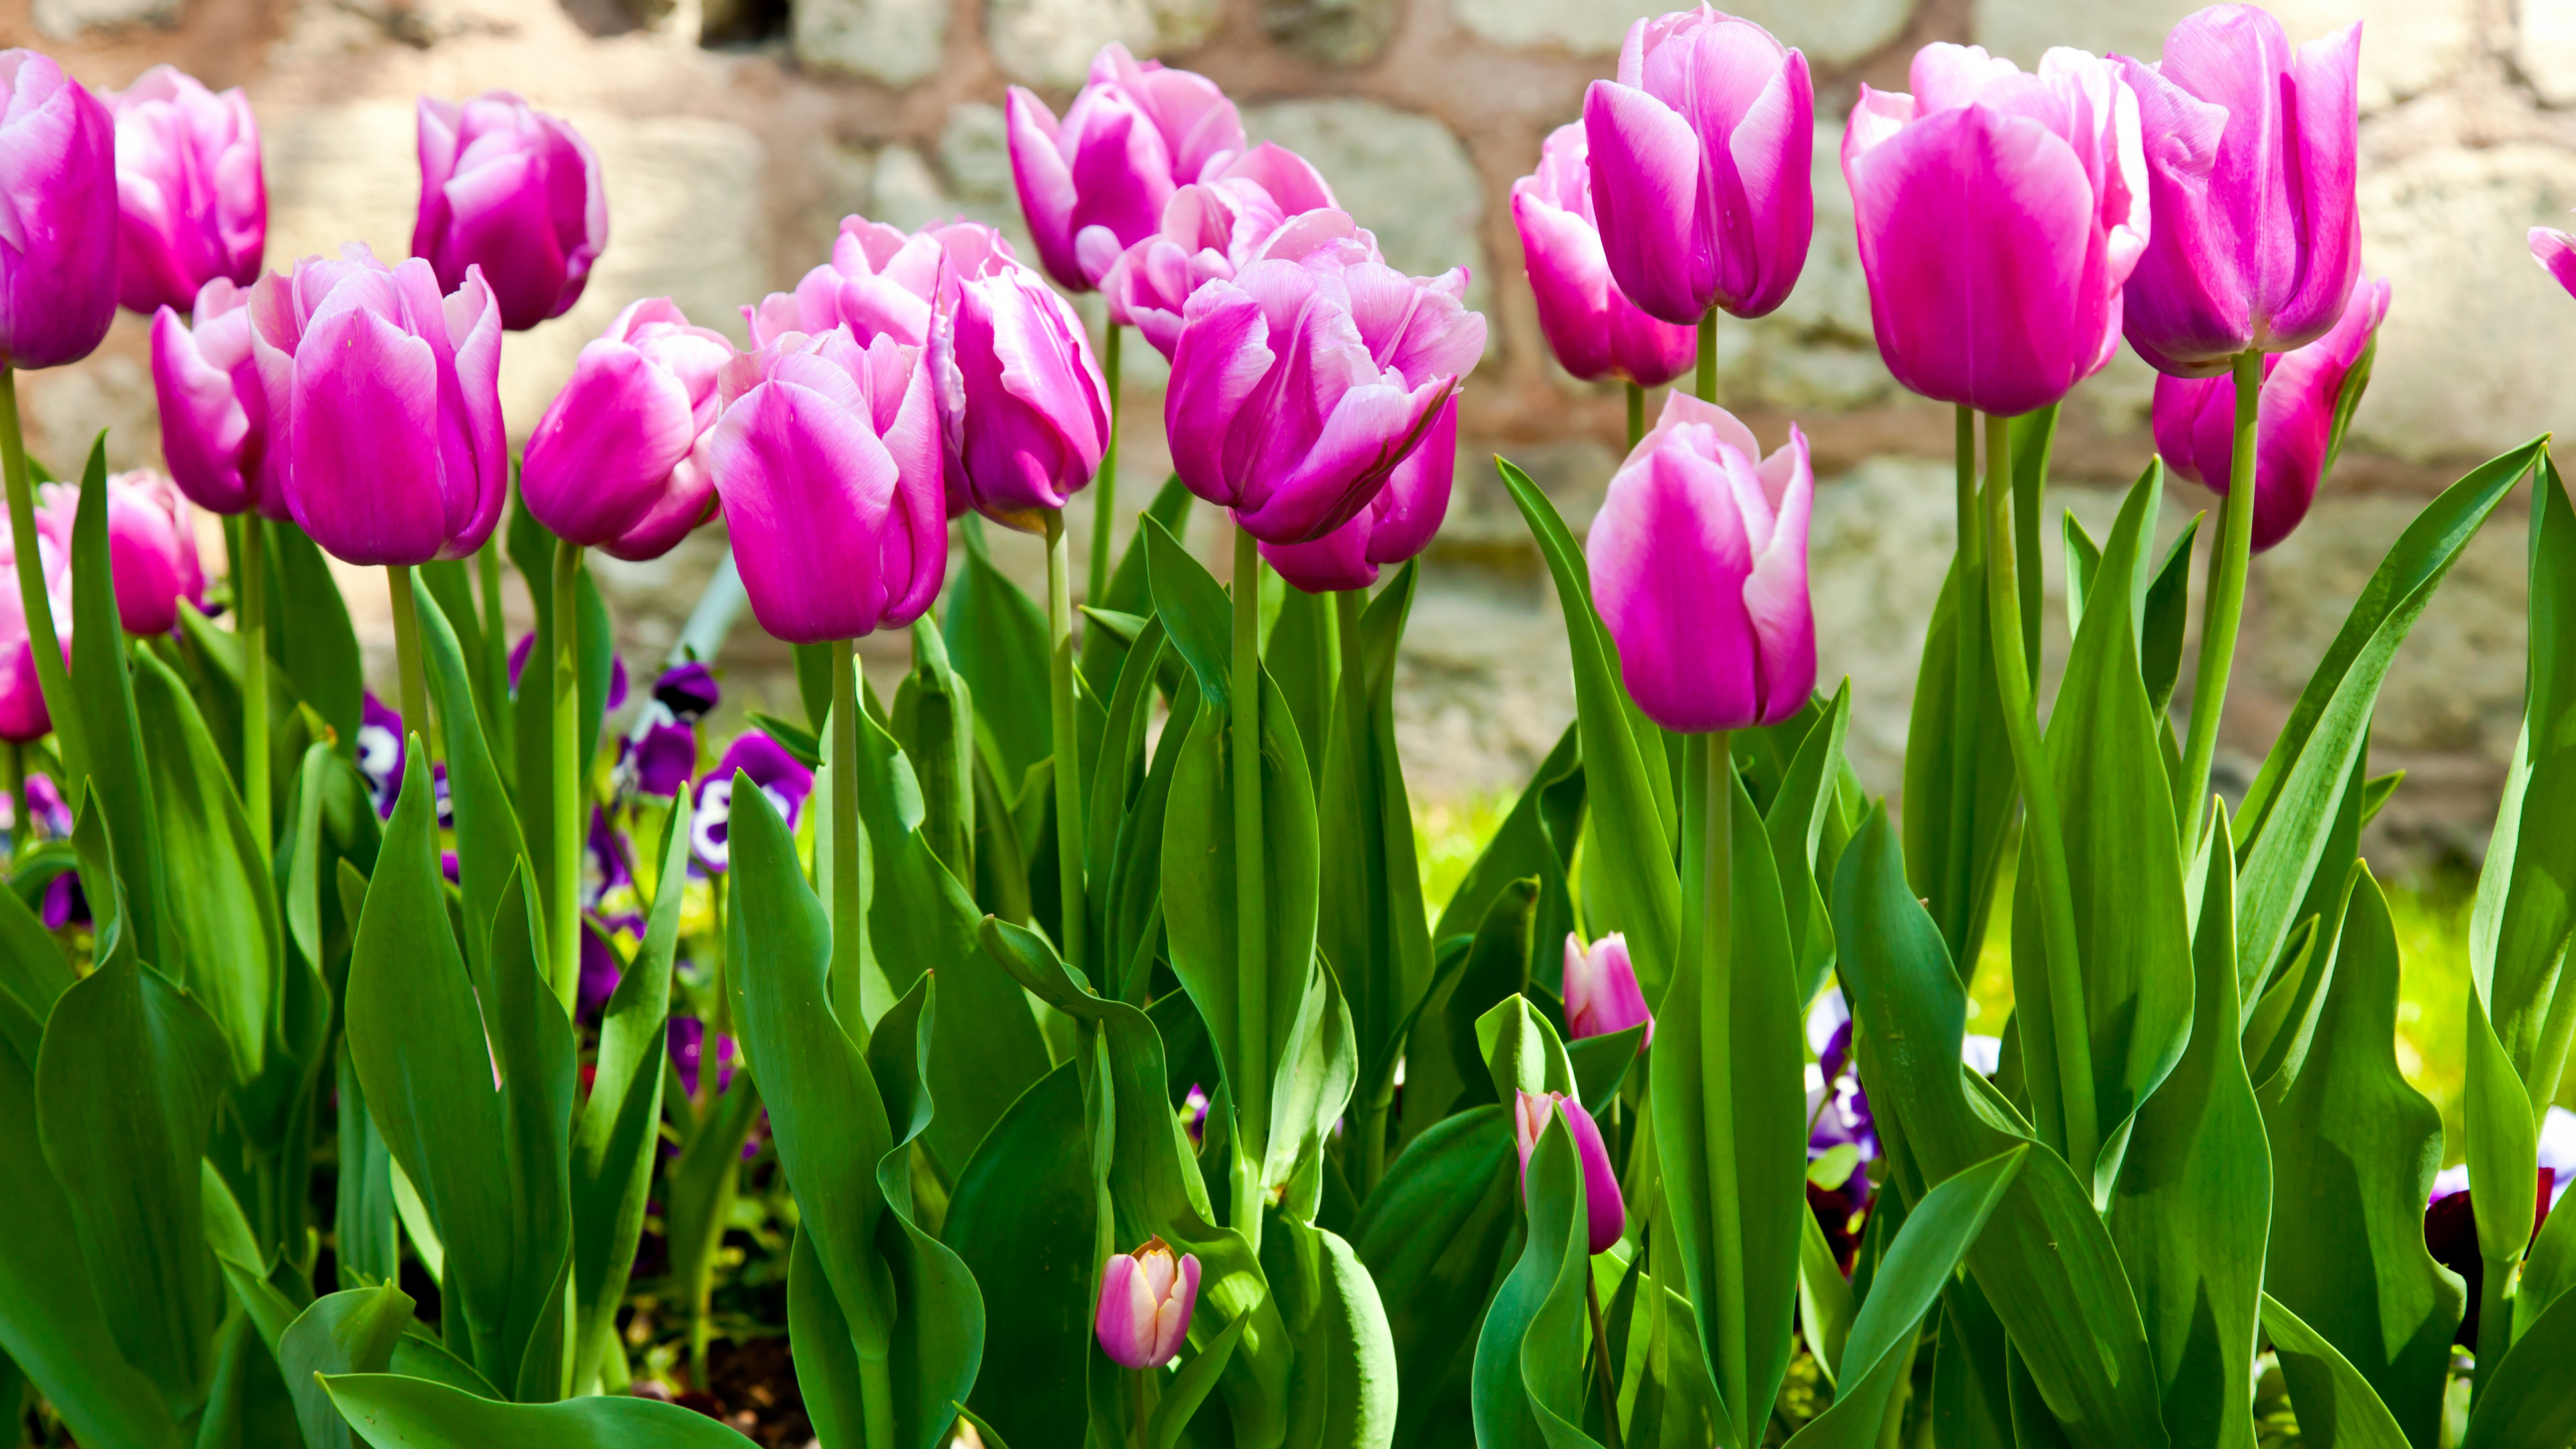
(1076, 1018)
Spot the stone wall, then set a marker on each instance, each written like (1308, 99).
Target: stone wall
(735, 133)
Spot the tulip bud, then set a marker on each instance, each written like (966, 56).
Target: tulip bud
(1591, 326)
(610, 464)
(1700, 157)
(1998, 216)
(1298, 388)
(1023, 408)
(24, 718)
(214, 413)
(58, 216)
(2250, 149)
(2195, 418)
(151, 547)
(384, 405)
(1095, 183)
(1601, 994)
(1699, 565)
(780, 776)
(192, 202)
(826, 456)
(879, 282)
(515, 191)
(1145, 1302)
(1606, 1212)
(1397, 524)
(1266, 204)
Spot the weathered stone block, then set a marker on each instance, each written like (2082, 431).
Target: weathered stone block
(1051, 42)
(894, 41)
(1402, 175)
(1336, 32)
(65, 19)
(2544, 49)
(1832, 35)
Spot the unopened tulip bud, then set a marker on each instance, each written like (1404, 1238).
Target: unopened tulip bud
(151, 547)
(192, 201)
(1591, 326)
(611, 464)
(1145, 1301)
(506, 187)
(1023, 408)
(1094, 183)
(58, 215)
(1601, 994)
(1604, 1210)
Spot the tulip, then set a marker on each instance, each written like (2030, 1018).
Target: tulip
(1700, 162)
(214, 413)
(58, 215)
(1297, 388)
(1095, 183)
(767, 765)
(611, 463)
(1268, 203)
(1023, 409)
(2195, 418)
(1601, 993)
(1396, 525)
(1999, 214)
(880, 282)
(192, 203)
(1591, 326)
(2256, 247)
(1606, 1214)
(1699, 565)
(151, 547)
(24, 718)
(510, 189)
(1145, 1302)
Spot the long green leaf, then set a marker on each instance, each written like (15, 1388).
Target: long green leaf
(2336, 1406)
(1024, 1213)
(113, 748)
(1529, 1384)
(1344, 1391)
(489, 849)
(997, 642)
(1435, 1237)
(315, 640)
(391, 1411)
(350, 1332)
(2527, 1402)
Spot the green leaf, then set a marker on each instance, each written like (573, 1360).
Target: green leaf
(1495, 970)
(315, 640)
(450, 583)
(1131, 590)
(391, 1411)
(1195, 612)
(1189, 1387)
(1434, 1237)
(349, 1332)
(1632, 820)
(1522, 1051)
(997, 642)
(2163, 616)
(934, 718)
(2336, 1406)
(1825, 1305)
(33, 970)
(1127, 800)
(2526, 1402)
(1303, 654)
(1529, 1381)
(1960, 793)
(1344, 1388)
(2353, 1152)
(489, 850)
(1796, 827)
(1023, 1214)
(1937, 1234)
(112, 748)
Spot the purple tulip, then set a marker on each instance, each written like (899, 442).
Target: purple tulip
(1700, 158)
(2195, 418)
(1607, 1213)
(384, 405)
(515, 191)
(611, 464)
(767, 764)
(214, 413)
(1699, 563)
(1145, 1301)
(1591, 326)
(880, 282)
(192, 201)
(381, 745)
(1601, 993)
(2556, 253)
(1023, 408)
(1267, 204)
(827, 457)
(1298, 387)
(1094, 184)
(58, 215)
(151, 547)
(2251, 166)
(1395, 526)
(1999, 213)
(24, 718)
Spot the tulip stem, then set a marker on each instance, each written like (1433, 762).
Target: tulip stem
(1104, 486)
(1958, 874)
(1707, 359)
(847, 909)
(411, 687)
(53, 678)
(496, 652)
(2495, 1323)
(1637, 415)
(1708, 923)
(250, 592)
(1601, 1369)
(2229, 554)
(1251, 933)
(22, 820)
(563, 931)
(1074, 902)
(2068, 1041)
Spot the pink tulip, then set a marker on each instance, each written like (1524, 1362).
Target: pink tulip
(1606, 1213)
(58, 214)
(1591, 325)
(2195, 418)
(826, 456)
(1263, 205)
(880, 282)
(1601, 993)
(214, 413)
(515, 191)
(1023, 408)
(1095, 183)
(611, 463)
(2256, 246)
(1298, 387)
(23, 716)
(192, 199)
(1397, 524)
(384, 405)
(1700, 161)
(1145, 1301)
(151, 547)
(1699, 565)
(2556, 253)
(1999, 214)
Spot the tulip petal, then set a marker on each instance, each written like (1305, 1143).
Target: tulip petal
(2556, 253)
(367, 382)
(1645, 189)
(806, 488)
(1668, 560)
(595, 465)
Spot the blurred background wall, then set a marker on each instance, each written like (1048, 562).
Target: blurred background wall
(735, 133)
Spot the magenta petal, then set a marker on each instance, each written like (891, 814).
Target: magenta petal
(1668, 560)
(366, 384)
(1645, 185)
(805, 487)
(1338, 560)
(1222, 356)
(204, 426)
(2556, 253)
(1604, 1210)
(595, 465)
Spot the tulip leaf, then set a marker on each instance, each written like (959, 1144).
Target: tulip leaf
(1959, 786)
(362, 1210)
(1535, 840)
(314, 640)
(1494, 969)
(1522, 1051)
(1302, 652)
(348, 1332)
(1529, 1385)
(34, 973)
(1434, 1237)
(1344, 1391)
(1189, 1387)
(1796, 827)
(109, 763)
(1971, 1393)
(1131, 589)
(2525, 1398)
(489, 849)
(1128, 799)
(2353, 1152)
(1623, 765)
(2162, 618)
(1195, 612)
(1023, 1214)
(392, 1411)
(2336, 1406)
(449, 583)
(332, 821)
(2302, 780)
(997, 642)
(2083, 563)
(934, 719)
